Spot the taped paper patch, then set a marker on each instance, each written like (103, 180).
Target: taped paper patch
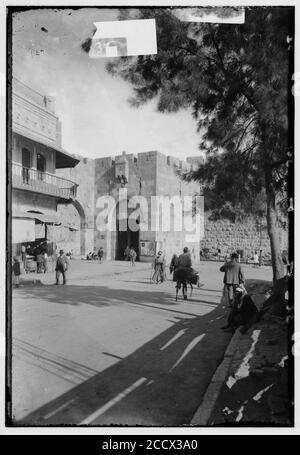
(213, 15)
(124, 38)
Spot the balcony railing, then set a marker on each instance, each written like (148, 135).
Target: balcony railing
(29, 93)
(42, 182)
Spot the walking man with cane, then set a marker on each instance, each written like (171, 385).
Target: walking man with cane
(233, 276)
(61, 267)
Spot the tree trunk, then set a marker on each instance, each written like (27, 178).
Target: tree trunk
(277, 264)
(279, 282)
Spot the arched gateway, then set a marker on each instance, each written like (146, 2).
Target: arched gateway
(125, 235)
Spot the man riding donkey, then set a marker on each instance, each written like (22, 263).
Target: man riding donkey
(183, 271)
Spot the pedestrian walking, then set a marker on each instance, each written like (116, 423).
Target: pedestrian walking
(40, 262)
(256, 259)
(158, 264)
(23, 256)
(45, 262)
(173, 264)
(233, 277)
(100, 254)
(132, 256)
(61, 267)
(164, 266)
(16, 272)
(126, 253)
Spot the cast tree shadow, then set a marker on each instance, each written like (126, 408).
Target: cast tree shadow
(160, 384)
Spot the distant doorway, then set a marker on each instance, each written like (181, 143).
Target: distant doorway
(26, 164)
(40, 165)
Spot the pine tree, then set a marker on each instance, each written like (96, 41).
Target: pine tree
(236, 79)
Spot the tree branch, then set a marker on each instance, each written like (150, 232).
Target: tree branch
(222, 66)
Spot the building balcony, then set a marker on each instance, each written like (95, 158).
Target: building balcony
(27, 179)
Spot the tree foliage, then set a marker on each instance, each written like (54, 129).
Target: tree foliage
(236, 80)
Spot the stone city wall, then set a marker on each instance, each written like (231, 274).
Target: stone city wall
(149, 174)
(247, 236)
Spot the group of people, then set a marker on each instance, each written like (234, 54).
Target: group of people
(96, 255)
(180, 267)
(61, 267)
(242, 310)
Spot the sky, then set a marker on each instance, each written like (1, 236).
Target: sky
(97, 119)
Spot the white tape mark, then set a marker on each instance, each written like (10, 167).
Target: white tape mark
(281, 363)
(112, 402)
(240, 412)
(213, 15)
(192, 344)
(258, 396)
(243, 370)
(178, 335)
(227, 411)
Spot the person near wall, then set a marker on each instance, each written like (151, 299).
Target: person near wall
(132, 256)
(256, 259)
(40, 262)
(126, 253)
(23, 256)
(45, 262)
(173, 264)
(164, 266)
(61, 268)
(233, 277)
(16, 272)
(158, 264)
(100, 254)
(243, 312)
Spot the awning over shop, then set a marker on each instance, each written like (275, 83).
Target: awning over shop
(48, 219)
(41, 217)
(20, 214)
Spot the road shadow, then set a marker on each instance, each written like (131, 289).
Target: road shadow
(159, 384)
(105, 296)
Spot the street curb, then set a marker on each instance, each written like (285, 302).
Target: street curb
(213, 391)
(38, 282)
(205, 410)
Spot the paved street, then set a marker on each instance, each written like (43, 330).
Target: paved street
(116, 349)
